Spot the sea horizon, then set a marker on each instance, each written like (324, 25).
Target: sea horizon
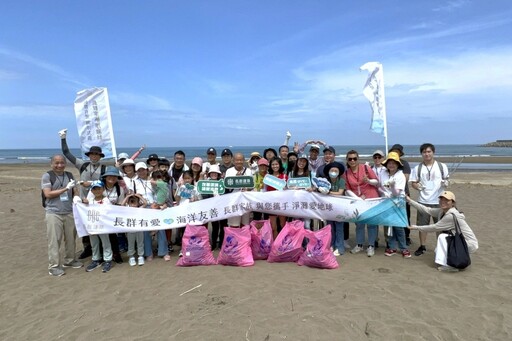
(42, 155)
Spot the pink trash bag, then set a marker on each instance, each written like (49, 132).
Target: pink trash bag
(261, 238)
(236, 248)
(195, 246)
(318, 253)
(288, 245)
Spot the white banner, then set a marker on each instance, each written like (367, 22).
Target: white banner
(101, 219)
(374, 92)
(94, 121)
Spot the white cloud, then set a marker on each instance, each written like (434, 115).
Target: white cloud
(451, 6)
(42, 64)
(7, 75)
(139, 100)
(37, 110)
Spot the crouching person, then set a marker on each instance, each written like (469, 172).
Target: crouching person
(446, 213)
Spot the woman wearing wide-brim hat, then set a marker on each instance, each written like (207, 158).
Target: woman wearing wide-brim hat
(446, 213)
(393, 185)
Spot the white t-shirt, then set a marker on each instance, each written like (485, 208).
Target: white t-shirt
(110, 194)
(144, 188)
(130, 182)
(398, 178)
(430, 179)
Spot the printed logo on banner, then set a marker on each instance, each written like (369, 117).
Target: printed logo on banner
(211, 186)
(93, 219)
(274, 181)
(239, 182)
(304, 182)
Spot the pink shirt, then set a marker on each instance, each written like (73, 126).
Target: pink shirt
(355, 182)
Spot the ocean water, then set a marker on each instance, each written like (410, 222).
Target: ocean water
(20, 156)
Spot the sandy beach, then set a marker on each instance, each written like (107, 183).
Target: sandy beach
(364, 299)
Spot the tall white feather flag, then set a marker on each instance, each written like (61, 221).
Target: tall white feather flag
(94, 122)
(374, 92)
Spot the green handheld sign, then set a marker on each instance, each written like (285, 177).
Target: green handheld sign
(211, 186)
(239, 182)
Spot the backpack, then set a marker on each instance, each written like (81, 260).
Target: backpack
(438, 165)
(53, 177)
(86, 164)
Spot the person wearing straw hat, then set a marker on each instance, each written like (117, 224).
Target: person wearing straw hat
(393, 185)
(407, 172)
(446, 214)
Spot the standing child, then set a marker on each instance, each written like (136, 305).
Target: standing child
(97, 188)
(135, 200)
(214, 175)
(187, 192)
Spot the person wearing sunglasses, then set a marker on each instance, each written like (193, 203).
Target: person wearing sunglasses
(362, 182)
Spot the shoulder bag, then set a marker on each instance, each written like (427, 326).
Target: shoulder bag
(458, 253)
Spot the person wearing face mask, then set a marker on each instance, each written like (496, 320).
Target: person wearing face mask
(253, 162)
(334, 173)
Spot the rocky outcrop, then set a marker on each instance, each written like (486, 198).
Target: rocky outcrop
(499, 143)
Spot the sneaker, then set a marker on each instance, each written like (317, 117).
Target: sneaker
(117, 258)
(336, 253)
(149, 258)
(390, 252)
(132, 261)
(170, 248)
(406, 254)
(94, 264)
(447, 268)
(167, 258)
(370, 251)
(107, 266)
(421, 250)
(140, 260)
(87, 252)
(181, 254)
(347, 245)
(356, 249)
(74, 264)
(57, 272)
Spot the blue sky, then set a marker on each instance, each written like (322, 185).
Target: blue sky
(199, 73)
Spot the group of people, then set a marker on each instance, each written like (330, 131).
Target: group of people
(158, 183)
